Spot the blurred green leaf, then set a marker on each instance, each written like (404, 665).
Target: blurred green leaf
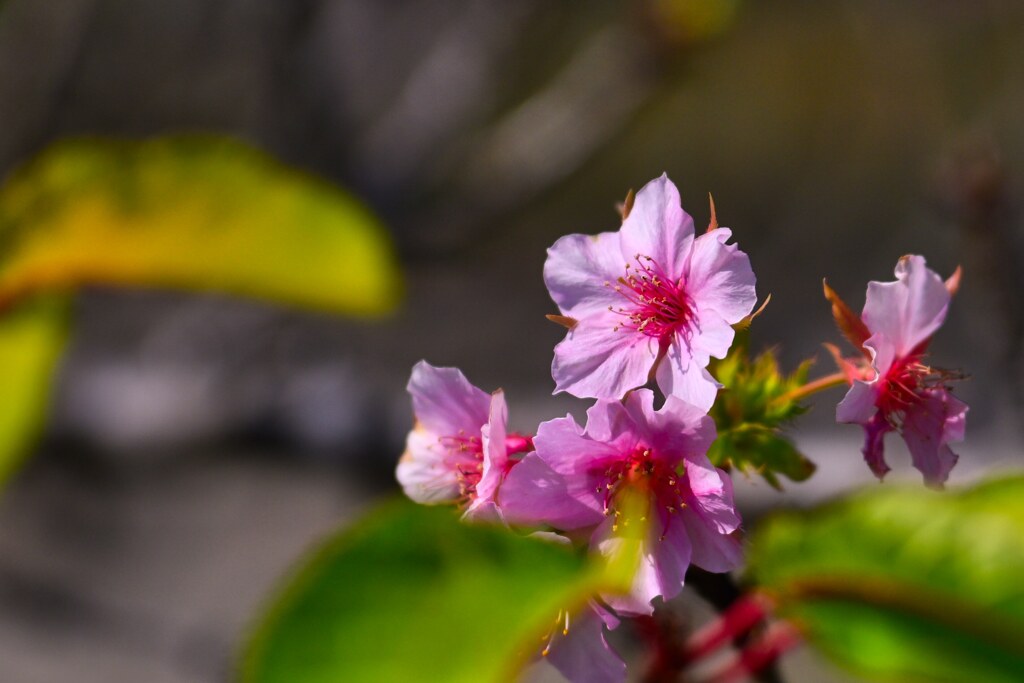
(906, 584)
(412, 594)
(31, 338)
(200, 213)
(750, 413)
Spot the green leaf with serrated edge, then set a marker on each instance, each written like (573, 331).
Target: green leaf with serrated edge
(905, 584)
(31, 339)
(751, 411)
(412, 594)
(200, 213)
(756, 449)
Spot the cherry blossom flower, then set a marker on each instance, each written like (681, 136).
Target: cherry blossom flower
(896, 389)
(576, 479)
(459, 449)
(575, 642)
(577, 647)
(651, 295)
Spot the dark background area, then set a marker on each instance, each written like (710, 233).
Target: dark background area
(197, 444)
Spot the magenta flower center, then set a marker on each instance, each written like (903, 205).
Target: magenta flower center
(657, 305)
(642, 470)
(904, 383)
(465, 455)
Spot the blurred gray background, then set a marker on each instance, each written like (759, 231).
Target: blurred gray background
(197, 445)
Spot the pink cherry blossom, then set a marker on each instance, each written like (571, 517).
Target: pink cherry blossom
(575, 480)
(575, 643)
(459, 450)
(650, 295)
(900, 391)
(577, 647)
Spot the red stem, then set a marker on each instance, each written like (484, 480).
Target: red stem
(741, 616)
(777, 640)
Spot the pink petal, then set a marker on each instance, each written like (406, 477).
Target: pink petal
(909, 310)
(658, 227)
(711, 550)
(677, 431)
(720, 278)
(687, 381)
(875, 430)
(495, 454)
(577, 268)
(444, 401)
(709, 335)
(583, 655)
(596, 361)
(928, 427)
(422, 471)
(858, 406)
(484, 512)
(611, 424)
(712, 497)
(662, 570)
(533, 494)
(571, 451)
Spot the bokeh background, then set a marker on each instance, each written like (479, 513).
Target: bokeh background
(196, 444)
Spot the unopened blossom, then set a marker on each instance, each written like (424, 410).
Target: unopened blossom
(898, 390)
(579, 479)
(649, 295)
(459, 449)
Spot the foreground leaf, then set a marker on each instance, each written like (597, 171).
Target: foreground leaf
(199, 213)
(31, 339)
(751, 412)
(412, 594)
(906, 584)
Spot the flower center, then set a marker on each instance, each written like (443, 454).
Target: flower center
(466, 457)
(640, 470)
(657, 305)
(904, 384)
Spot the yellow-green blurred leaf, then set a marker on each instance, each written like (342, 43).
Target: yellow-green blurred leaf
(200, 213)
(31, 338)
(412, 594)
(905, 584)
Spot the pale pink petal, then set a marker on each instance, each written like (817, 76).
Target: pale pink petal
(486, 512)
(577, 268)
(583, 655)
(664, 559)
(909, 310)
(677, 431)
(494, 451)
(708, 335)
(611, 424)
(444, 401)
(712, 497)
(875, 430)
(422, 471)
(568, 449)
(658, 227)
(687, 381)
(858, 406)
(711, 550)
(596, 361)
(720, 278)
(928, 427)
(534, 494)
(883, 353)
